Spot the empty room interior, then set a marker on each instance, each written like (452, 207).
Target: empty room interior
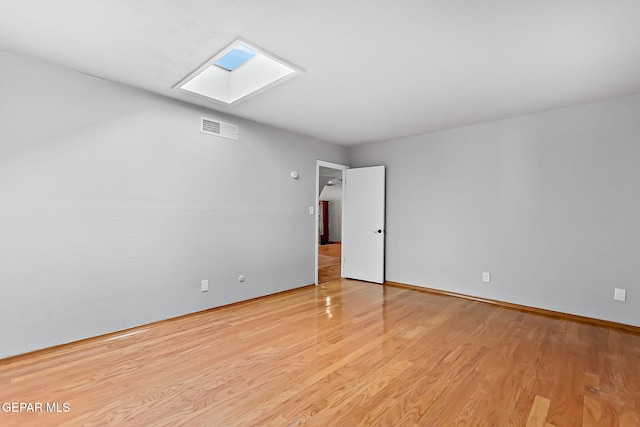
(320, 213)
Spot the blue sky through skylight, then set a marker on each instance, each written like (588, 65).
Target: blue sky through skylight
(236, 57)
(227, 83)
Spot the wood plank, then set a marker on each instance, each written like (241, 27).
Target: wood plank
(591, 412)
(538, 414)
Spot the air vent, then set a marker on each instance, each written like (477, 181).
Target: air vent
(217, 128)
(210, 127)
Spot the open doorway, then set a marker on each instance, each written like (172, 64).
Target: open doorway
(329, 198)
(330, 225)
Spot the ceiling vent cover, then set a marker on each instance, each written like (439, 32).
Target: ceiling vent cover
(218, 128)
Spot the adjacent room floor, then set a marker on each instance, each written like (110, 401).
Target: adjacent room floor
(342, 354)
(329, 262)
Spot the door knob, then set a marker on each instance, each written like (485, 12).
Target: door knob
(377, 231)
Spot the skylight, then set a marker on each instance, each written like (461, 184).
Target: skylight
(236, 57)
(236, 73)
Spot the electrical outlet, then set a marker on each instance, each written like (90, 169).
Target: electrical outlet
(620, 294)
(486, 277)
(204, 286)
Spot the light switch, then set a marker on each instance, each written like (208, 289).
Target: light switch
(310, 210)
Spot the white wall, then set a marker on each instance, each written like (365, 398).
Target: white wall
(114, 207)
(548, 203)
(333, 194)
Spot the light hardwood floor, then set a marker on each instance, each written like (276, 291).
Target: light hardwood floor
(329, 262)
(343, 354)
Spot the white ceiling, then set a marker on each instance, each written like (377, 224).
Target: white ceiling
(374, 69)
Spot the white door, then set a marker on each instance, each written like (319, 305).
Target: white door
(363, 227)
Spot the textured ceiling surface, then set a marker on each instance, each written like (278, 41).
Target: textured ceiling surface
(374, 70)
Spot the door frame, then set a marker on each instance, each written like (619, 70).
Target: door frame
(336, 166)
